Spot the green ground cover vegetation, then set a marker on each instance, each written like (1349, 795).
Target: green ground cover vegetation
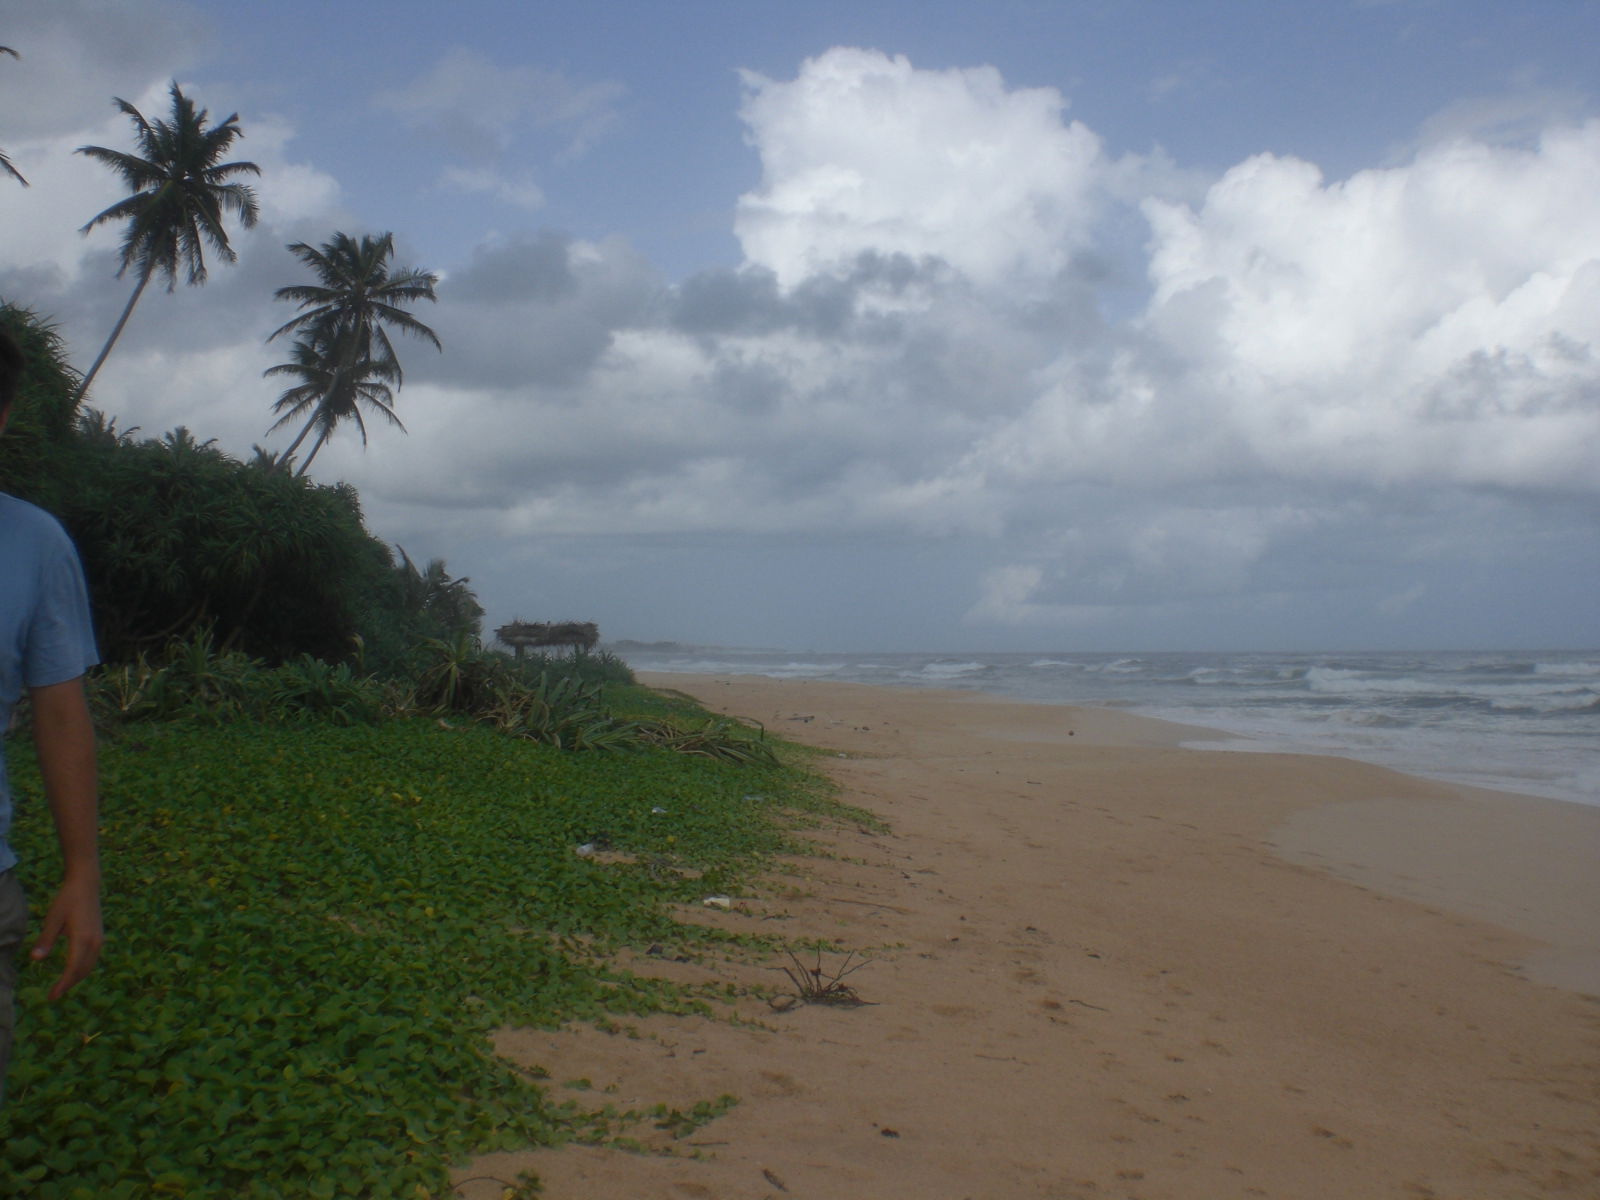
(313, 927)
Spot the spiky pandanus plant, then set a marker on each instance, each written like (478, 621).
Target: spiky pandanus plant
(44, 416)
(180, 191)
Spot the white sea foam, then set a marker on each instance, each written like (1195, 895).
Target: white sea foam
(943, 669)
(807, 670)
(1121, 666)
(1569, 669)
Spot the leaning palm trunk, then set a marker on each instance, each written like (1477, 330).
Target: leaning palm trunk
(315, 446)
(285, 458)
(116, 332)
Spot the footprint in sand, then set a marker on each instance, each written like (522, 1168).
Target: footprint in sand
(782, 1085)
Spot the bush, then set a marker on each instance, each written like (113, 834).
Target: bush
(590, 666)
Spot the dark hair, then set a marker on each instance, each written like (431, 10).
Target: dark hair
(10, 369)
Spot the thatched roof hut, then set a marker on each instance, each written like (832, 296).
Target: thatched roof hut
(520, 635)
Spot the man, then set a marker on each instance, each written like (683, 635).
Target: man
(46, 644)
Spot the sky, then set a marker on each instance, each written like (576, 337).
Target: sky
(924, 325)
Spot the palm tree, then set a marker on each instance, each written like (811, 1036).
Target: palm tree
(5, 163)
(334, 386)
(434, 595)
(180, 191)
(357, 292)
(345, 348)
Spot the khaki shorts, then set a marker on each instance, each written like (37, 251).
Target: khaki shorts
(13, 928)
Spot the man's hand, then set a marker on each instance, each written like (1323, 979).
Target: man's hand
(64, 735)
(75, 912)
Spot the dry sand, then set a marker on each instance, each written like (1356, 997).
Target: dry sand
(1108, 966)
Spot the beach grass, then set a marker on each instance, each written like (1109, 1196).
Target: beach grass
(312, 931)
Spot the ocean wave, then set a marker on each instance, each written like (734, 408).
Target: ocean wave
(1121, 666)
(1239, 677)
(694, 666)
(796, 670)
(1576, 701)
(1344, 681)
(946, 669)
(1579, 670)
(1498, 666)
(1372, 719)
(1356, 684)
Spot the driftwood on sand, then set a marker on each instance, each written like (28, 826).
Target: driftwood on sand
(520, 635)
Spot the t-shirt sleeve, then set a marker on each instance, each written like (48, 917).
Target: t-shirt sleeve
(60, 641)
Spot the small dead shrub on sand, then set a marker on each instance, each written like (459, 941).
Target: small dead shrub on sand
(819, 985)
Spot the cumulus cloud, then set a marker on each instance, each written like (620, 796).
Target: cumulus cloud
(1309, 354)
(862, 152)
(1516, 118)
(1436, 321)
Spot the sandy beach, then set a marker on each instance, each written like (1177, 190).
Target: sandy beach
(1105, 965)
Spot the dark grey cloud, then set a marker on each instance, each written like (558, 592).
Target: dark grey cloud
(537, 267)
(748, 301)
(77, 54)
(728, 302)
(538, 312)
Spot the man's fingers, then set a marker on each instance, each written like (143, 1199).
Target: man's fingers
(47, 940)
(69, 979)
(82, 954)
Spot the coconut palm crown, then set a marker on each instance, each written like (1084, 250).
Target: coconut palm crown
(342, 354)
(334, 387)
(357, 296)
(179, 192)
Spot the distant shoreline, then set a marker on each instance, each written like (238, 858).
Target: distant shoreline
(1520, 722)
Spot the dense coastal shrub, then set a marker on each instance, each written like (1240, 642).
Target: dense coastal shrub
(312, 930)
(177, 536)
(43, 418)
(587, 666)
(559, 706)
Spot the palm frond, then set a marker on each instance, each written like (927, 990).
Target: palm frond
(5, 163)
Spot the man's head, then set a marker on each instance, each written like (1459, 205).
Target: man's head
(10, 373)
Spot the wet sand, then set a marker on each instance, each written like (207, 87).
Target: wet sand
(1104, 965)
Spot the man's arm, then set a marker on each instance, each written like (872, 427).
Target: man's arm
(64, 735)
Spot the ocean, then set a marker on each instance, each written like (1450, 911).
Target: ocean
(1524, 722)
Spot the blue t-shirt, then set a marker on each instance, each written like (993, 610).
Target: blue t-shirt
(45, 633)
